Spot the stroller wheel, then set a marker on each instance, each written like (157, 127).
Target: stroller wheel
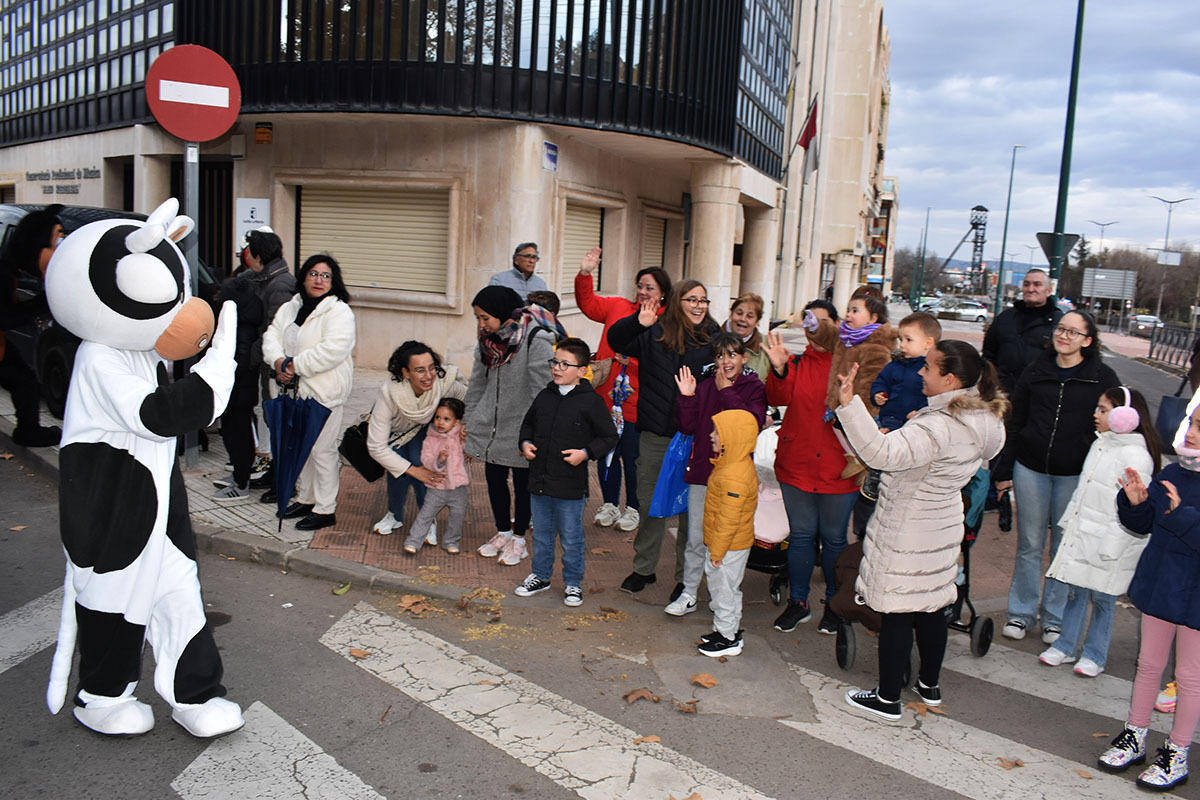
(777, 587)
(981, 635)
(845, 645)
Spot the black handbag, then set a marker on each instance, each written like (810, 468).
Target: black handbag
(354, 450)
(1171, 411)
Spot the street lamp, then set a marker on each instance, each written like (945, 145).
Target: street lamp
(1102, 226)
(1004, 239)
(1166, 241)
(1032, 248)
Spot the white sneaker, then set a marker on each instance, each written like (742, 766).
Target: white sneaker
(1053, 657)
(492, 547)
(685, 604)
(1088, 668)
(514, 551)
(386, 525)
(607, 515)
(431, 537)
(1050, 635)
(1013, 629)
(629, 520)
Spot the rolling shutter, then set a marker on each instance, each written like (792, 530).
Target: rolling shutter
(382, 238)
(583, 230)
(654, 236)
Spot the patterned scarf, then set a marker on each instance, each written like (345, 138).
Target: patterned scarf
(497, 349)
(852, 336)
(1189, 462)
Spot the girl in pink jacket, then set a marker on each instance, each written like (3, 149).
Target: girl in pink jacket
(442, 452)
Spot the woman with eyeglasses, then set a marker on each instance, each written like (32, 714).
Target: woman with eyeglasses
(651, 283)
(512, 364)
(309, 343)
(680, 338)
(1049, 435)
(396, 432)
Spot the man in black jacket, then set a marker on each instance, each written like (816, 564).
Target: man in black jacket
(567, 424)
(1016, 337)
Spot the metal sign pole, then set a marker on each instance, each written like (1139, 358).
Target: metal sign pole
(191, 207)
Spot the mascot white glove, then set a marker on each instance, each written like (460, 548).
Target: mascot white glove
(217, 368)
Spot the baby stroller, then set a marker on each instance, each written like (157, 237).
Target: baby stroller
(769, 553)
(848, 606)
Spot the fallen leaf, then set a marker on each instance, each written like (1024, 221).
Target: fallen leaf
(359, 653)
(596, 590)
(646, 739)
(936, 710)
(721, 659)
(1100, 735)
(1083, 774)
(1010, 763)
(414, 604)
(637, 694)
(494, 620)
(628, 540)
(782, 716)
(607, 610)
(486, 682)
(18, 527)
(704, 679)
(342, 588)
(599, 551)
(467, 555)
(692, 796)
(6, 456)
(688, 708)
(655, 698)
(383, 716)
(571, 628)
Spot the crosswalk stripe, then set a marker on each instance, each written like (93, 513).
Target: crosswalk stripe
(268, 760)
(950, 754)
(576, 748)
(28, 630)
(1015, 669)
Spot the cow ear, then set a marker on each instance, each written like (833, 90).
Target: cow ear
(180, 227)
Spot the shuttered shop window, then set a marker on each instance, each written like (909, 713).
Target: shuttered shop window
(384, 238)
(654, 236)
(584, 230)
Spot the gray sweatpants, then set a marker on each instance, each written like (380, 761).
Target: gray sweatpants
(725, 587)
(435, 501)
(696, 554)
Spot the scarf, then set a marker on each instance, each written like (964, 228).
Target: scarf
(1189, 462)
(852, 336)
(498, 348)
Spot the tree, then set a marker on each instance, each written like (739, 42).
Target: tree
(905, 264)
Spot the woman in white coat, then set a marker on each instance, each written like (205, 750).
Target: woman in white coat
(910, 553)
(309, 343)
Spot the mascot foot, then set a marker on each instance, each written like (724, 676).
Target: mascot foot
(116, 716)
(215, 717)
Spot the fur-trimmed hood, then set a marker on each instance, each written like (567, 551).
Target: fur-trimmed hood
(969, 408)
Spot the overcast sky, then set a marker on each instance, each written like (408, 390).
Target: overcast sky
(971, 79)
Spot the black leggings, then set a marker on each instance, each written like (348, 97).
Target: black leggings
(895, 644)
(503, 503)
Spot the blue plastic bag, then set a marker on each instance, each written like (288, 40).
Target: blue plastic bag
(670, 492)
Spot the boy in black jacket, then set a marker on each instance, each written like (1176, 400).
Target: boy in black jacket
(567, 424)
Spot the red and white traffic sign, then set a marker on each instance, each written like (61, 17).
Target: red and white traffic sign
(193, 93)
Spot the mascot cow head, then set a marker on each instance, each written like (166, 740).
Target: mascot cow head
(124, 283)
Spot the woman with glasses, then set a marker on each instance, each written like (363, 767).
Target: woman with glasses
(680, 338)
(512, 364)
(1049, 435)
(620, 388)
(403, 408)
(309, 344)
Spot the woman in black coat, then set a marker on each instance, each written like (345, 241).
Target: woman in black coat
(663, 345)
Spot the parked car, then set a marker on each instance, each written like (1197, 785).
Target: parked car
(932, 306)
(961, 308)
(1144, 324)
(46, 346)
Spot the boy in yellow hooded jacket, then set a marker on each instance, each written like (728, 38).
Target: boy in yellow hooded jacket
(729, 506)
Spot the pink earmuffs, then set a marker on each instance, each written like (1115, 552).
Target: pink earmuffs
(1125, 418)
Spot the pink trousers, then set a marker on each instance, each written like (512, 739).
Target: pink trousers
(1157, 636)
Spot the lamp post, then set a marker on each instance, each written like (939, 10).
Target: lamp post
(1166, 242)
(1004, 239)
(1059, 257)
(1102, 226)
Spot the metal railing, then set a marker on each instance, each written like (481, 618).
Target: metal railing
(1172, 345)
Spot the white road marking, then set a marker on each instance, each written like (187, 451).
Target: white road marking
(197, 94)
(268, 760)
(1015, 669)
(28, 630)
(576, 748)
(949, 754)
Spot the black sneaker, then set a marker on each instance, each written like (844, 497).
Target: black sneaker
(829, 622)
(531, 586)
(708, 637)
(797, 611)
(870, 702)
(636, 582)
(930, 695)
(717, 645)
(678, 590)
(264, 481)
(37, 436)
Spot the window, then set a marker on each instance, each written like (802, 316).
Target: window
(582, 230)
(654, 237)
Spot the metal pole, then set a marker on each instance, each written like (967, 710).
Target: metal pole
(1102, 226)
(1166, 246)
(1064, 175)
(191, 207)
(919, 283)
(1004, 239)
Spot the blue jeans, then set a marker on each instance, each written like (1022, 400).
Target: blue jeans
(624, 457)
(1041, 501)
(553, 515)
(397, 488)
(811, 515)
(1099, 633)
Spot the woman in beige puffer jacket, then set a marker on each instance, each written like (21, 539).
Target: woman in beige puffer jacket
(910, 553)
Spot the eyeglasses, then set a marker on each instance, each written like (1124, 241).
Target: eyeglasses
(1069, 333)
(312, 273)
(556, 364)
(697, 301)
(422, 371)
(531, 257)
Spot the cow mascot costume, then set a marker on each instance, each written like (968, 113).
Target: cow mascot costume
(123, 287)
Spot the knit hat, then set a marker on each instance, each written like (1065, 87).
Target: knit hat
(498, 301)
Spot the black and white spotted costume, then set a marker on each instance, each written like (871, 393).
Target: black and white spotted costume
(123, 287)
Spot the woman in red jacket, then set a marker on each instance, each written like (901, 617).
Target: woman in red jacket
(809, 463)
(652, 284)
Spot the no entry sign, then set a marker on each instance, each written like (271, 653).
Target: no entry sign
(193, 93)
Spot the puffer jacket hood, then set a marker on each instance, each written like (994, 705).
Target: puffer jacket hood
(988, 437)
(732, 495)
(738, 431)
